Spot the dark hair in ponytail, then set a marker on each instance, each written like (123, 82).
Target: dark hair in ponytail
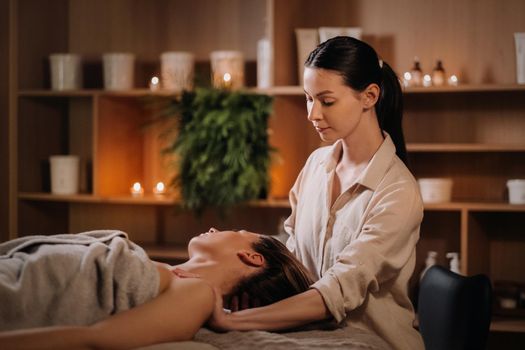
(358, 64)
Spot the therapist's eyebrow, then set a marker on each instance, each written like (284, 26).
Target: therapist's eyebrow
(324, 92)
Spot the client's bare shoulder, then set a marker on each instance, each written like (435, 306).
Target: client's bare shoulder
(190, 290)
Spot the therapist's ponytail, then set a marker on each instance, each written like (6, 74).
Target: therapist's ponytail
(358, 64)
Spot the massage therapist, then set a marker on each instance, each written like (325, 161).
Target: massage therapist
(356, 208)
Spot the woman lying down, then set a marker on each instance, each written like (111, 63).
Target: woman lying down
(100, 290)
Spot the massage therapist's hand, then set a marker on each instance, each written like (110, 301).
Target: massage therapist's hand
(220, 320)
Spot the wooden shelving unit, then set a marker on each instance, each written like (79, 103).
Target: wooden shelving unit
(473, 133)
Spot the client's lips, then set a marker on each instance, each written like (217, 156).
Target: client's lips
(321, 130)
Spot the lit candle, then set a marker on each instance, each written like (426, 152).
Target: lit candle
(407, 78)
(159, 189)
(136, 190)
(427, 80)
(154, 84)
(227, 79)
(453, 80)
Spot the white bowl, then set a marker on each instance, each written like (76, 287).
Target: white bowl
(516, 191)
(435, 190)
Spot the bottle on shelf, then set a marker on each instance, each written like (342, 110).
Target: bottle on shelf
(454, 262)
(429, 262)
(438, 74)
(416, 74)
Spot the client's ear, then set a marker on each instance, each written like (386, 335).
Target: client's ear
(251, 258)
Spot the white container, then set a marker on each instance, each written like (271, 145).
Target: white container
(435, 190)
(516, 191)
(326, 33)
(66, 71)
(264, 64)
(519, 39)
(64, 174)
(307, 40)
(227, 69)
(118, 71)
(177, 70)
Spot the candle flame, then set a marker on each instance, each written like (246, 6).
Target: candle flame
(137, 186)
(160, 187)
(227, 77)
(155, 80)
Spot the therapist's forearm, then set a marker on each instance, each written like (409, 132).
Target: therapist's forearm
(288, 313)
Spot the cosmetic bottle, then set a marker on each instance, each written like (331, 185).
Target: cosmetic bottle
(429, 262)
(438, 74)
(454, 262)
(416, 74)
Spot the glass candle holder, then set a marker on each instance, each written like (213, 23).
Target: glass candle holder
(227, 69)
(137, 190)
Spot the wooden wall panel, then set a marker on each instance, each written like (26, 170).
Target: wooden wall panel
(118, 142)
(42, 29)
(490, 117)
(4, 120)
(295, 138)
(148, 28)
(42, 132)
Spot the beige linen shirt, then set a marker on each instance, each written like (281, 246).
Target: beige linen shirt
(361, 249)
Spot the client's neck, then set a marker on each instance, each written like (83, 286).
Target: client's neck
(215, 273)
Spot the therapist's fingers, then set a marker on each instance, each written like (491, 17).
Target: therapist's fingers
(234, 303)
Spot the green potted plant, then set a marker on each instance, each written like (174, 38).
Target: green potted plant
(221, 145)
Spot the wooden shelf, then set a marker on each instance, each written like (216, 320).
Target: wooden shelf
(290, 90)
(464, 147)
(465, 88)
(96, 92)
(475, 206)
(263, 203)
(89, 198)
(166, 252)
(144, 200)
(298, 90)
(515, 325)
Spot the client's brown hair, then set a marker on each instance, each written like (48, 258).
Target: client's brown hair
(282, 276)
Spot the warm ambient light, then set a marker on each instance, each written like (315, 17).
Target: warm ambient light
(427, 80)
(453, 80)
(227, 77)
(407, 77)
(159, 189)
(154, 84)
(137, 190)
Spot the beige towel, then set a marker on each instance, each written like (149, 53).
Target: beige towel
(72, 279)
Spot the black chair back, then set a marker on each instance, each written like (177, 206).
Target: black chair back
(454, 311)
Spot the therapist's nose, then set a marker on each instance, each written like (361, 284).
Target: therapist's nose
(314, 111)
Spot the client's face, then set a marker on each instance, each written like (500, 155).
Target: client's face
(222, 242)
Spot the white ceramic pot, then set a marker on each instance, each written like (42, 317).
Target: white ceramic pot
(177, 70)
(66, 71)
(64, 174)
(516, 191)
(118, 71)
(435, 190)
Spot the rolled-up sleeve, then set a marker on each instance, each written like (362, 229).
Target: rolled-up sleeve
(381, 249)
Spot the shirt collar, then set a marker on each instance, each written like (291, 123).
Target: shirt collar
(376, 168)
